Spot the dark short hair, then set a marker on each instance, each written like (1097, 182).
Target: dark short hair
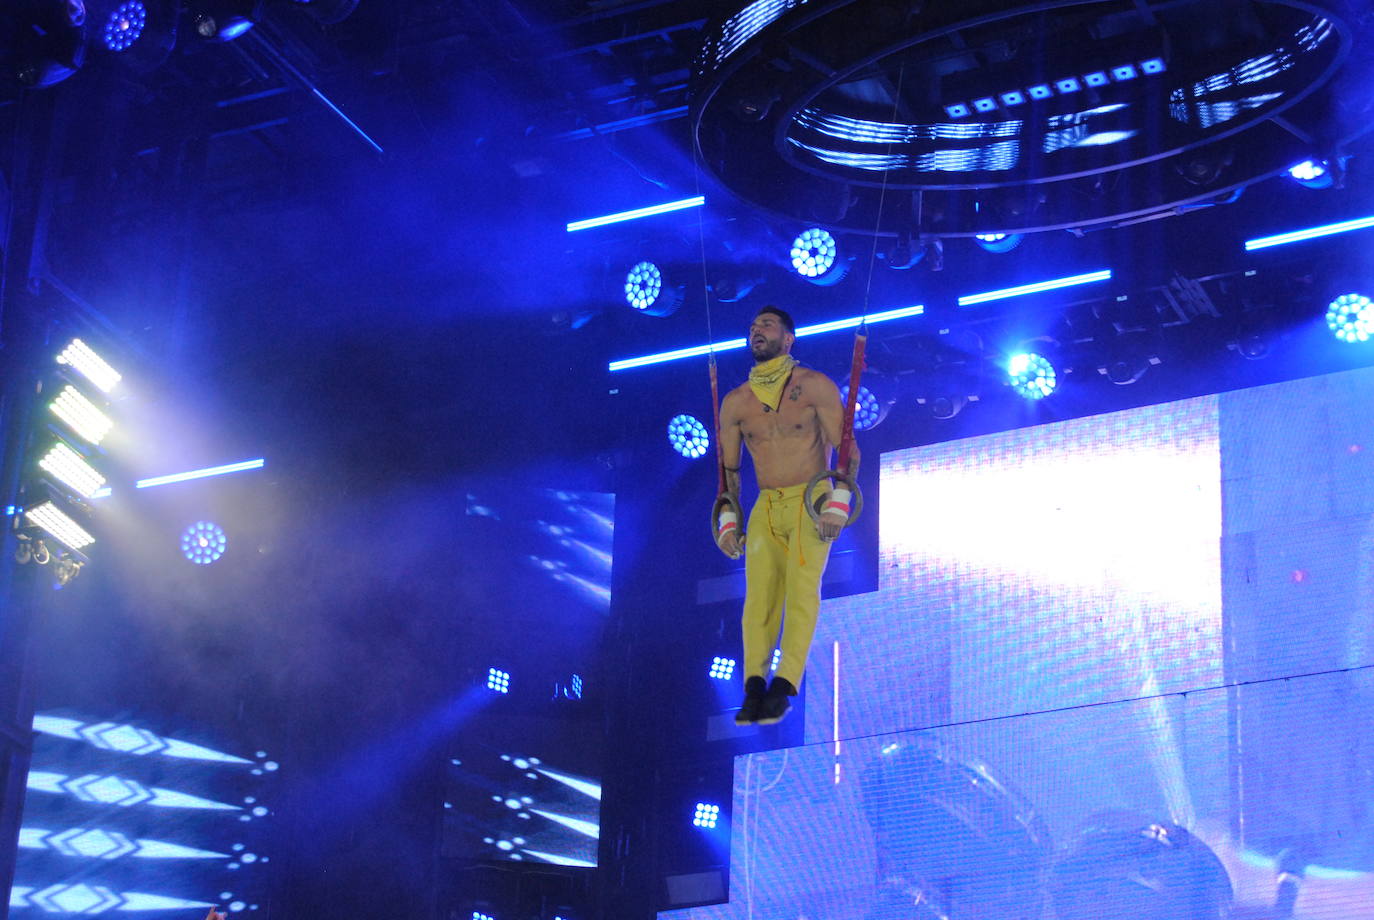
(782, 315)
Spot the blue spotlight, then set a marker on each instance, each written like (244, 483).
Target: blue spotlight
(722, 668)
(1311, 174)
(957, 110)
(707, 815)
(1152, 66)
(688, 436)
(1031, 375)
(124, 25)
(643, 285)
(998, 242)
(813, 253)
(1014, 97)
(498, 681)
(1068, 85)
(1040, 91)
(1350, 318)
(1096, 78)
(203, 542)
(868, 412)
(985, 104)
(478, 915)
(1124, 72)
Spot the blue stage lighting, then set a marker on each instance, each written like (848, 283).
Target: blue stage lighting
(1124, 72)
(732, 344)
(1096, 78)
(985, 104)
(1311, 233)
(1351, 318)
(868, 412)
(1312, 174)
(998, 242)
(498, 680)
(1068, 85)
(1031, 375)
(1040, 91)
(1015, 97)
(1054, 284)
(688, 436)
(124, 25)
(1152, 66)
(203, 542)
(650, 211)
(643, 285)
(957, 110)
(813, 253)
(722, 668)
(200, 474)
(707, 815)
(478, 915)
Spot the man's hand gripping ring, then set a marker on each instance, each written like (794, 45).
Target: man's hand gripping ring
(726, 502)
(809, 496)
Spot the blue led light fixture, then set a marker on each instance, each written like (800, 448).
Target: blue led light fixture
(1350, 317)
(203, 542)
(124, 25)
(688, 436)
(1031, 375)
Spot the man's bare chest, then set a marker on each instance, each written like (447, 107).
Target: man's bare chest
(792, 419)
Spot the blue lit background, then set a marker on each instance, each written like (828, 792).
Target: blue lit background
(1058, 610)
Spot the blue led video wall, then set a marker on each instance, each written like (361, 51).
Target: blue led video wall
(523, 783)
(1117, 666)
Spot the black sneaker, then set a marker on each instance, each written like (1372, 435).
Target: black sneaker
(753, 697)
(776, 702)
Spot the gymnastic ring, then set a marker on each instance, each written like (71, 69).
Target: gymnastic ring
(723, 501)
(856, 497)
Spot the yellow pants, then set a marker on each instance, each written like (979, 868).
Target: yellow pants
(783, 561)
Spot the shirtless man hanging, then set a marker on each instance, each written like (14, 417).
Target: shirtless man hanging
(790, 418)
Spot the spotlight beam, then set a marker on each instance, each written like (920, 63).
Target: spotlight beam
(586, 828)
(591, 790)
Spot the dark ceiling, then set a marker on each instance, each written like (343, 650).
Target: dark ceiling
(368, 216)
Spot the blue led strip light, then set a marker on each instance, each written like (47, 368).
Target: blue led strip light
(637, 213)
(1051, 285)
(201, 474)
(1311, 233)
(731, 344)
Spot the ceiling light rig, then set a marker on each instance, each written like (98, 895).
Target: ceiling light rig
(949, 103)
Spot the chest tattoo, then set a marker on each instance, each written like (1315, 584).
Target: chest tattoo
(795, 394)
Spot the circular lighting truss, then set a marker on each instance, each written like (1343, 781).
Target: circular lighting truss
(869, 411)
(203, 542)
(1350, 317)
(688, 436)
(815, 255)
(1031, 375)
(124, 25)
(994, 130)
(645, 291)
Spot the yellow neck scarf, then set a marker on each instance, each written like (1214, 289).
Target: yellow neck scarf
(768, 379)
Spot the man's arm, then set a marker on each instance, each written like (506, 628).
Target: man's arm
(728, 536)
(730, 443)
(830, 411)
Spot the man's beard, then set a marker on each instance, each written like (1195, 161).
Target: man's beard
(765, 350)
